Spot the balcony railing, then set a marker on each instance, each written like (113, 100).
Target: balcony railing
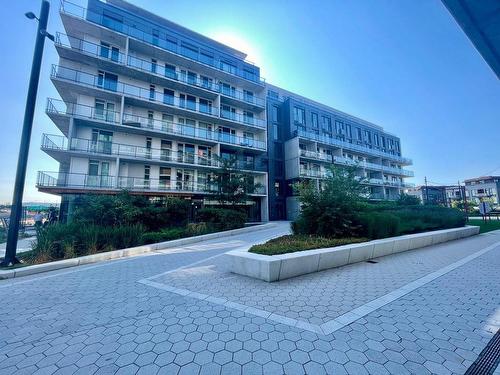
(368, 165)
(57, 106)
(105, 83)
(136, 184)
(316, 155)
(351, 146)
(88, 15)
(60, 143)
(105, 52)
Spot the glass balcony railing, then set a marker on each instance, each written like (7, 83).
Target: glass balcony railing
(316, 155)
(351, 146)
(60, 143)
(56, 106)
(111, 84)
(368, 165)
(106, 52)
(163, 43)
(58, 180)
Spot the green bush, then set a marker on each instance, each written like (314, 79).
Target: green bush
(222, 218)
(376, 225)
(293, 243)
(126, 209)
(62, 241)
(164, 235)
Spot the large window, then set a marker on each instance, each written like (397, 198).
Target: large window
(314, 120)
(299, 115)
(327, 124)
(274, 113)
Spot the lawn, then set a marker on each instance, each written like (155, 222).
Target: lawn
(486, 226)
(292, 243)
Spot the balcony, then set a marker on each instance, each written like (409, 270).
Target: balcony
(311, 173)
(82, 13)
(372, 166)
(146, 66)
(61, 182)
(131, 152)
(351, 146)
(56, 108)
(316, 155)
(151, 96)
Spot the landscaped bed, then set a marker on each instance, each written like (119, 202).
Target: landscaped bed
(486, 226)
(292, 243)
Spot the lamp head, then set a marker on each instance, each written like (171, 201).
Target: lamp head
(30, 15)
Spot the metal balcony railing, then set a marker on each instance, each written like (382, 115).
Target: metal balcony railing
(155, 40)
(60, 143)
(151, 95)
(316, 155)
(147, 66)
(350, 146)
(104, 182)
(368, 165)
(56, 106)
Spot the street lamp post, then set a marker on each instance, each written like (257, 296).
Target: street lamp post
(17, 199)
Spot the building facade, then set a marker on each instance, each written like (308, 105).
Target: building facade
(152, 107)
(483, 189)
(305, 137)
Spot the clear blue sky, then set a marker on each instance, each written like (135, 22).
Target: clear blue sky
(405, 65)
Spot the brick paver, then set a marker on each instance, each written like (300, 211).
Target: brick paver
(100, 319)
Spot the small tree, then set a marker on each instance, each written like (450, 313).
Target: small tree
(332, 210)
(231, 187)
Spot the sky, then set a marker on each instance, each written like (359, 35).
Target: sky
(405, 65)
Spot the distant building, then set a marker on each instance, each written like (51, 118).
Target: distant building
(484, 188)
(442, 194)
(480, 20)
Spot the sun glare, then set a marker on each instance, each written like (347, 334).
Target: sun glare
(232, 39)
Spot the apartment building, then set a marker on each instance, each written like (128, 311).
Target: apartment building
(305, 137)
(483, 189)
(152, 107)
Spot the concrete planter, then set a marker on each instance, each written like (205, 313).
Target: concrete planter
(285, 266)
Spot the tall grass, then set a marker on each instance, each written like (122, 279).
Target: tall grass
(62, 241)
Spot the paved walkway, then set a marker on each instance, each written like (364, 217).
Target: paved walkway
(437, 309)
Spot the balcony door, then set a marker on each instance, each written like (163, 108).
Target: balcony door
(102, 141)
(98, 174)
(226, 134)
(165, 178)
(104, 110)
(166, 150)
(107, 81)
(185, 179)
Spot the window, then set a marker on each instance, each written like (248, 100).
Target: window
(206, 82)
(277, 188)
(227, 89)
(156, 37)
(273, 94)
(104, 50)
(107, 80)
(274, 113)
(327, 124)
(314, 120)
(168, 96)
(206, 58)
(149, 142)
(170, 71)
(154, 65)
(152, 92)
(150, 119)
(228, 67)
(339, 127)
(205, 106)
(165, 177)
(299, 115)
(189, 51)
(191, 78)
(248, 96)
(248, 117)
(276, 132)
(359, 134)
(348, 131)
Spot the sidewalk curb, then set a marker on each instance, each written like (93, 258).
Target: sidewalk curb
(125, 253)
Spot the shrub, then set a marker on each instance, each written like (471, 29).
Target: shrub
(376, 225)
(408, 200)
(222, 218)
(164, 235)
(125, 209)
